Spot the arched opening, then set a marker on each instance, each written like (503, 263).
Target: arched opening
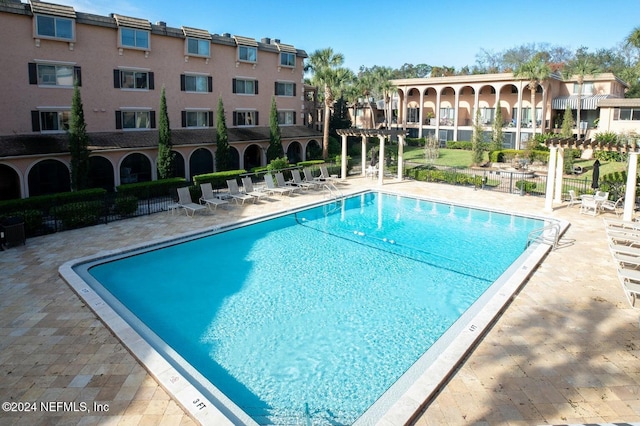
(101, 173)
(294, 152)
(49, 177)
(9, 183)
(201, 162)
(252, 157)
(235, 158)
(178, 164)
(314, 150)
(135, 168)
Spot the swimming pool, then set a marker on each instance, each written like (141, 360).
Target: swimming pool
(287, 334)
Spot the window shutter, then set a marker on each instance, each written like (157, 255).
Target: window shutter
(116, 79)
(35, 121)
(294, 113)
(294, 89)
(151, 82)
(235, 118)
(77, 76)
(256, 123)
(256, 86)
(233, 86)
(152, 119)
(210, 124)
(184, 118)
(118, 119)
(33, 73)
(275, 88)
(210, 84)
(183, 83)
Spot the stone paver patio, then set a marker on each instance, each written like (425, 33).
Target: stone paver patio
(564, 351)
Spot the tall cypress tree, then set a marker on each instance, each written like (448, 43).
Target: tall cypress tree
(78, 143)
(165, 156)
(223, 151)
(497, 134)
(275, 149)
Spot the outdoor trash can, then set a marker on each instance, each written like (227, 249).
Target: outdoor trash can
(12, 231)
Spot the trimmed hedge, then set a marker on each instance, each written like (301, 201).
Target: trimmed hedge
(155, 188)
(218, 179)
(44, 202)
(430, 174)
(310, 163)
(77, 215)
(126, 205)
(499, 156)
(526, 185)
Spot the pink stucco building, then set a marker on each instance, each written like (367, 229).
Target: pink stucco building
(122, 63)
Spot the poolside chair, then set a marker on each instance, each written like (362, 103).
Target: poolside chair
(630, 280)
(272, 188)
(283, 184)
(209, 198)
(573, 199)
(589, 205)
(325, 176)
(185, 201)
(235, 193)
(309, 178)
(297, 180)
(611, 206)
(250, 190)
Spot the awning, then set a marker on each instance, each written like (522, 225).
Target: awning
(588, 101)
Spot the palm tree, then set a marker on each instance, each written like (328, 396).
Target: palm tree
(581, 67)
(382, 77)
(327, 70)
(536, 71)
(634, 38)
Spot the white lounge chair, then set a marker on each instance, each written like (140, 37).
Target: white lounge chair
(272, 188)
(185, 201)
(209, 198)
(611, 206)
(309, 178)
(324, 174)
(250, 190)
(283, 184)
(235, 193)
(630, 280)
(297, 180)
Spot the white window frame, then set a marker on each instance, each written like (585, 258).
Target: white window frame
(286, 117)
(286, 63)
(198, 45)
(56, 66)
(134, 72)
(135, 45)
(63, 119)
(413, 115)
(288, 87)
(246, 57)
(249, 115)
(633, 112)
(137, 116)
(196, 77)
(587, 88)
(244, 81)
(200, 113)
(56, 20)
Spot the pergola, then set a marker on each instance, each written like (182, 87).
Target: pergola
(556, 166)
(381, 134)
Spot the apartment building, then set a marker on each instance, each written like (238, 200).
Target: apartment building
(121, 64)
(445, 107)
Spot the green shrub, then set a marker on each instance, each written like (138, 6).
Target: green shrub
(217, 179)
(466, 145)
(525, 185)
(32, 219)
(156, 188)
(416, 141)
(309, 163)
(609, 156)
(44, 202)
(607, 137)
(349, 163)
(278, 164)
(77, 215)
(126, 205)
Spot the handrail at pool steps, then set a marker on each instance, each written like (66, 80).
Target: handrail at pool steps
(549, 234)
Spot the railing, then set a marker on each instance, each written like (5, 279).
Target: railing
(549, 234)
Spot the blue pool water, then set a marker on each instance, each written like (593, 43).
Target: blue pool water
(319, 311)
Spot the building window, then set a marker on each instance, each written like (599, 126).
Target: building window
(247, 53)
(198, 47)
(50, 121)
(245, 118)
(133, 79)
(135, 119)
(61, 75)
(133, 38)
(54, 27)
(285, 89)
(196, 83)
(587, 88)
(287, 59)
(245, 87)
(287, 117)
(412, 115)
(197, 119)
(626, 114)
(447, 115)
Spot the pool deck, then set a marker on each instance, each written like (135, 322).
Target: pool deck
(564, 351)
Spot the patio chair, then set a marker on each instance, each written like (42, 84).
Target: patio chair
(589, 205)
(297, 180)
(250, 190)
(611, 206)
(185, 201)
(235, 193)
(209, 198)
(325, 176)
(309, 178)
(283, 184)
(273, 189)
(573, 199)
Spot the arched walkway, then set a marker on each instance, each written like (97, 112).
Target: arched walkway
(294, 152)
(135, 167)
(235, 158)
(9, 183)
(314, 150)
(178, 165)
(49, 177)
(252, 157)
(101, 173)
(200, 162)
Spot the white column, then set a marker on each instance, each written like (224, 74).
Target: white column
(400, 152)
(559, 170)
(421, 113)
(630, 193)
(551, 178)
(381, 162)
(363, 156)
(343, 157)
(519, 118)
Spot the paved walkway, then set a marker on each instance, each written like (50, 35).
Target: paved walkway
(565, 351)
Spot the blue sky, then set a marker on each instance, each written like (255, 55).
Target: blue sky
(375, 33)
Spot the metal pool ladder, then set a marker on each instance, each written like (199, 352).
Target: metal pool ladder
(549, 234)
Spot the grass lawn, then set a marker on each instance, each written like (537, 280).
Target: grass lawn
(447, 157)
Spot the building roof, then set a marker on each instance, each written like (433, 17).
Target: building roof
(52, 9)
(620, 102)
(43, 144)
